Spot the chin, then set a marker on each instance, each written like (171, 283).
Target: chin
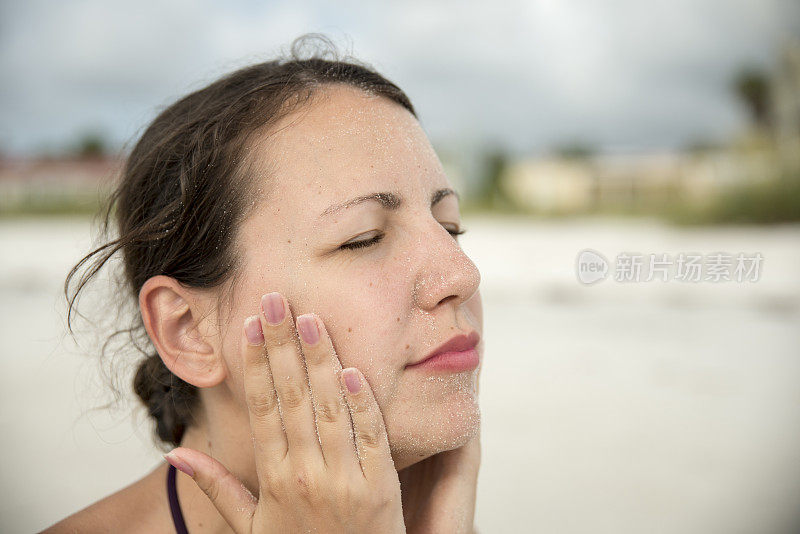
(433, 427)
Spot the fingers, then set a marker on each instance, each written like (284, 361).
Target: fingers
(269, 440)
(289, 378)
(228, 495)
(302, 405)
(330, 408)
(372, 443)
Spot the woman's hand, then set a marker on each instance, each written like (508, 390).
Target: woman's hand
(439, 492)
(306, 483)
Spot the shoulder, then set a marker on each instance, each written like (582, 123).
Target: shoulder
(139, 507)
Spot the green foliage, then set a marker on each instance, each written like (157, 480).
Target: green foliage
(761, 203)
(91, 145)
(752, 87)
(491, 195)
(32, 205)
(575, 151)
(768, 202)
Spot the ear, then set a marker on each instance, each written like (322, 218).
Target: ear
(172, 315)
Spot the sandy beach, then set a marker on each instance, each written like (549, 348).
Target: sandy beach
(658, 407)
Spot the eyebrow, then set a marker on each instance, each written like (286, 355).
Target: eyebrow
(389, 201)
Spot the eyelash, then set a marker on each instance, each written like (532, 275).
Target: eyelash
(377, 238)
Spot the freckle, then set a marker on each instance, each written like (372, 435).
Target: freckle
(451, 327)
(370, 284)
(288, 240)
(349, 329)
(398, 319)
(408, 346)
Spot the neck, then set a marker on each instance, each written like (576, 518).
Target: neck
(221, 432)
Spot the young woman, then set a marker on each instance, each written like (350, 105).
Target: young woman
(290, 236)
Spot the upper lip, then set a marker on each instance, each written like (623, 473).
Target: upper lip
(458, 343)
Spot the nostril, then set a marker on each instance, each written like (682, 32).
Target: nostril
(447, 298)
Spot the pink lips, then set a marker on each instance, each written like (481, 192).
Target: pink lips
(456, 354)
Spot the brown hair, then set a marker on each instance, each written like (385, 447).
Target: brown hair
(179, 200)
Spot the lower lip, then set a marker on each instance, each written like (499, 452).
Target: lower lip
(465, 360)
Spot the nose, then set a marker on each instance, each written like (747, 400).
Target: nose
(447, 276)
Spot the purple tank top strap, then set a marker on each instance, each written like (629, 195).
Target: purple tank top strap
(174, 505)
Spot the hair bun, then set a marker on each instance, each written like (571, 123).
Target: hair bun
(168, 398)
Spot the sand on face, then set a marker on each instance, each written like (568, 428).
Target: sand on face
(650, 407)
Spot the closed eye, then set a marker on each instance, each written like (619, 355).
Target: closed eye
(369, 242)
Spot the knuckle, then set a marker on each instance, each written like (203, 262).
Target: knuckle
(278, 336)
(292, 395)
(262, 403)
(305, 482)
(275, 489)
(270, 477)
(385, 500)
(352, 495)
(359, 406)
(274, 484)
(369, 438)
(386, 495)
(211, 488)
(255, 358)
(329, 411)
(314, 355)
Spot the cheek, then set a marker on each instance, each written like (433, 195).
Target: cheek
(364, 324)
(474, 307)
(366, 317)
(364, 311)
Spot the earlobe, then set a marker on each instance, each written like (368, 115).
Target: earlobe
(171, 315)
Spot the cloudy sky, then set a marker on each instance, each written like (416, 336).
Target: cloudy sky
(619, 74)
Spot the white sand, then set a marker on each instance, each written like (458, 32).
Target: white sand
(651, 407)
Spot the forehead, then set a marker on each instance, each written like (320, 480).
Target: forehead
(346, 142)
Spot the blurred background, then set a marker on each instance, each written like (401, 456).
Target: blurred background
(637, 128)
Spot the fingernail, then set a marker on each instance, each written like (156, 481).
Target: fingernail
(179, 464)
(272, 304)
(352, 380)
(252, 329)
(308, 329)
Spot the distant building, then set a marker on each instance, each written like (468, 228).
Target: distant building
(557, 185)
(550, 185)
(50, 182)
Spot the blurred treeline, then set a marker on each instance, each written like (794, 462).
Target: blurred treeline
(71, 181)
(753, 178)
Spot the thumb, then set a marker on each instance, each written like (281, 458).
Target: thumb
(234, 502)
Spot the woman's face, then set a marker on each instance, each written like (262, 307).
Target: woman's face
(385, 305)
